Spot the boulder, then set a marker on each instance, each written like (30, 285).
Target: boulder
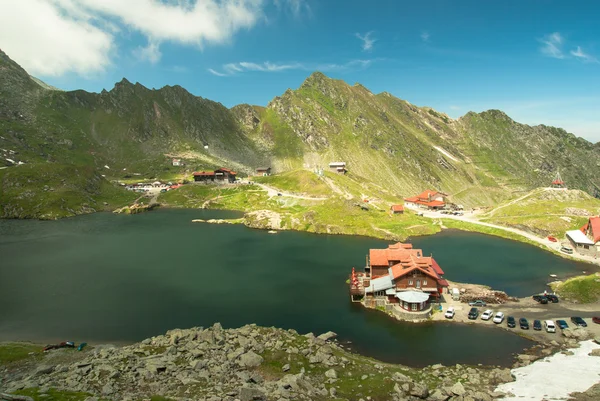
(251, 394)
(397, 376)
(331, 374)
(595, 352)
(419, 390)
(286, 367)
(438, 395)
(250, 359)
(327, 336)
(458, 389)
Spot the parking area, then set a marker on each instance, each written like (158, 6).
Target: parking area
(526, 308)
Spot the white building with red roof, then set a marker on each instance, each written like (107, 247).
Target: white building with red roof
(428, 199)
(403, 277)
(585, 240)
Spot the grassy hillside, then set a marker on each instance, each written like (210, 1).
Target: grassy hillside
(50, 191)
(546, 211)
(582, 289)
(338, 214)
(391, 147)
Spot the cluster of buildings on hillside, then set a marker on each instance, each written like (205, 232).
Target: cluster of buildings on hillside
(401, 279)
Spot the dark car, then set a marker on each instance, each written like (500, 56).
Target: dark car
(537, 325)
(523, 323)
(510, 322)
(552, 298)
(540, 298)
(562, 324)
(578, 321)
(473, 313)
(596, 319)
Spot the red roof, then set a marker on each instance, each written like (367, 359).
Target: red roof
(443, 282)
(436, 267)
(557, 182)
(424, 198)
(397, 208)
(594, 224)
(405, 259)
(204, 173)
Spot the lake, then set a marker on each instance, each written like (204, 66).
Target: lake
(122, 278)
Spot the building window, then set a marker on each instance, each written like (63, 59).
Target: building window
(410, 282)
(413, 307)
(424, 282)
(586, 247)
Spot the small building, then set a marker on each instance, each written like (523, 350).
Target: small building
(177, 163)
(397, 209)
(585, 240)
(263, 171)
(204, 176)
(225, 175)
(338, 167)
(428, 199)
(403, 277)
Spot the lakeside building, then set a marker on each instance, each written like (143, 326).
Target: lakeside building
(221, 175)
(338, 167)
(428, 199)
(585, 240)
(400, 279)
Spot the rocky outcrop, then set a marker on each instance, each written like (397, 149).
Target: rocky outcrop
(249, 363)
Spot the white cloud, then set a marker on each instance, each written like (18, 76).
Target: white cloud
(425, 36)
(37, 35)
(53, 37)
(367, 40)
(581, 55)
(150, 53)
(552, 45)
(297, 8)
(244, 66)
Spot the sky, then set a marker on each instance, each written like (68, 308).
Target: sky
(537, 60)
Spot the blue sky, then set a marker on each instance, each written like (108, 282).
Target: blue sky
(536, 60)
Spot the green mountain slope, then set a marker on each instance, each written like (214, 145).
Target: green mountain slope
(479, 159)
(132, 132)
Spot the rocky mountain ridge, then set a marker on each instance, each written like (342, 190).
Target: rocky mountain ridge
(130, 130)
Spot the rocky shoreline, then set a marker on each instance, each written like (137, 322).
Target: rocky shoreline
(248, 363)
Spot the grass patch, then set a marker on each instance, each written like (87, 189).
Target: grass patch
(302, 181)
(581, 289)
(12, 352)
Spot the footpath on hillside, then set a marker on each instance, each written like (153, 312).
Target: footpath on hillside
(555, 246)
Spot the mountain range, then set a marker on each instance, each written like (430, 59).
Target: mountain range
(46, 135)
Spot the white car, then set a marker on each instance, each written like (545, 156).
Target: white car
(449, 313)
(550, 327)
(487, 315)
(499, 318)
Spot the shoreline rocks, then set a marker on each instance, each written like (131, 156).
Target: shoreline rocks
(248, 363)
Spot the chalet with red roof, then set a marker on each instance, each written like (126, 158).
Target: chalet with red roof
(427, 199)
(402, 277)
(221, 175)
(397, 209)
(586, 240)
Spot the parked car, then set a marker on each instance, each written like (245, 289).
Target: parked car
(510, 322)
(487, 315)
(552, 298)
(578, 321)
(537, 325)
(479, 302)
(473, 313)
(596, 319)
(552, 239)
(449, 313)
(550, 327)
(566, 249)
(523, 323)
(499, 318)
(562, 324)
(540, 298)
